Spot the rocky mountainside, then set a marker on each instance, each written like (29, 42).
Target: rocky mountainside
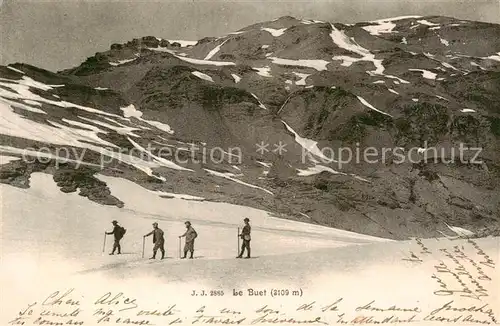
(266, 117)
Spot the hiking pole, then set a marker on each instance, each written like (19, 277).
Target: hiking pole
(104, 245)
(143, 244)
(238, 249)
(179, 247)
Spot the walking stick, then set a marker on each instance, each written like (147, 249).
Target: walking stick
(104, 245)
(143, 244)
(179, 247)
(238, 249)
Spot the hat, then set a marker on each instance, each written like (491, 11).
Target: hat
(155, 223)
(246, 219)
(187, 222)
(114, 222)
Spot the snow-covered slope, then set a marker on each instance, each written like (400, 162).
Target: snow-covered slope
(67, 229)
(61, 237)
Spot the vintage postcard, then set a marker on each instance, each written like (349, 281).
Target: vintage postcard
(249, 162)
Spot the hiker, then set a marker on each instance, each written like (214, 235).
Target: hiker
(158, 240)
(118, 232)
(245, 235)
(190, 235)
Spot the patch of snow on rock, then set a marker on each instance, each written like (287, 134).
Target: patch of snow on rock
(365, 103)
(264, 164)
(121, 62)
(32, 102)
(194, 61)
(317, 169)
(131, 111)
(214, 51)
(207, 62)
(315, 64)
(4, 159)
(16, 70)
(22, 106)
(27, 81)
(202, 76)
(261, 105)
(275, 32)
(183, 43)
(426, 22)
(13, 124)
(461, 232)
(442, 98)
(382, 27)
(121, 129)
(231, 177)
(425, 73)
(163, 162)
(20, 90)
(340, 39)
(26, 152)
(476, 65)
(385, 25)
(160, 125)
(447, 65)
(84, 126)
(495, 57)
(236, 78)
(308, 144)
(264, 71)
(303, 78)
(312, 21)
(444, 42)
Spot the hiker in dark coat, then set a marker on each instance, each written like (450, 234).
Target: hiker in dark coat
(245, 235)
(118, 234)
(190, 235)
(158, 240)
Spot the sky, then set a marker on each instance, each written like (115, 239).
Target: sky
(56, 35)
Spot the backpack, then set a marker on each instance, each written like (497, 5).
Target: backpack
(120, 232)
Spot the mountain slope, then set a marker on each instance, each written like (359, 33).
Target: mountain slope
(185, 118)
